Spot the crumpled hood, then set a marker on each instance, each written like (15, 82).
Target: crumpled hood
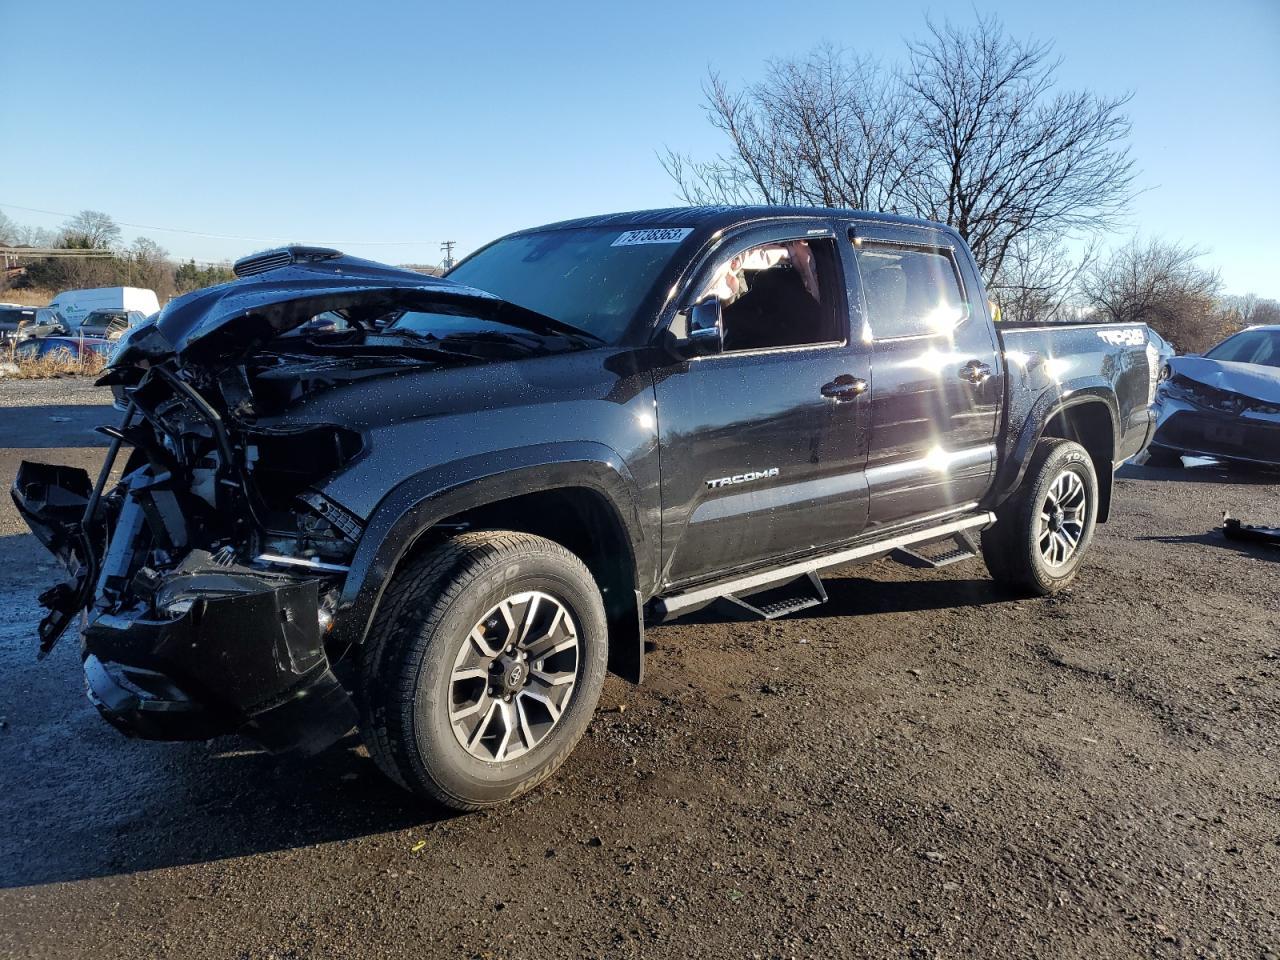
(228, 321)
(1249, 379)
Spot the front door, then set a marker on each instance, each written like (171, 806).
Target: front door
(937, 375)
(762, 445)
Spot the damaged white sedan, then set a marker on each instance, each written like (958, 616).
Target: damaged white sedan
(1224, 405)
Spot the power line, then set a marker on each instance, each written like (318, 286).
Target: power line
(220, 236)
(447, 247)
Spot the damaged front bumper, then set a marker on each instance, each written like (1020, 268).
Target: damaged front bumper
(209, 647)
(240, 652)
(1237, 428)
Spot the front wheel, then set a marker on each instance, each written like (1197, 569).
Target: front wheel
(1043, 530)
(483, 667)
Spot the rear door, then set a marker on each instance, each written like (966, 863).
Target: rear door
(936, 370)
(763, 444)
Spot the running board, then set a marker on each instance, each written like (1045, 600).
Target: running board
(962, 548)
(772, 603)
(665, 608)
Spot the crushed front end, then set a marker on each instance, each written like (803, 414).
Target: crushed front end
(207, 574)
(207, 562)
(1218, 409)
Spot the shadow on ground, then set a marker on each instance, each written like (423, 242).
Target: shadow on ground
(195, 804)
(1215, 538)
(1206, 473)
(57, 425)
(852, 596)
(80, 801)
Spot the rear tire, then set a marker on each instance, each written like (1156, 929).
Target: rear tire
(482, 668)
(1043, 531)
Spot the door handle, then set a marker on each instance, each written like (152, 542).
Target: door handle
(976, 372)
(844, 388)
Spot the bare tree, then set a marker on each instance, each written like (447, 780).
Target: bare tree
(829, 130)
(1247, 310)
(91, 230)
(1160, 284)
(1038, 280)
(9, 231)
(970, 131)
(147, 265)
(1002, 157)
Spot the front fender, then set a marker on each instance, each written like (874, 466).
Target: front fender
(423, 500)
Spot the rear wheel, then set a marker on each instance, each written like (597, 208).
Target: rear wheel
(1043, 530)
(483, 668)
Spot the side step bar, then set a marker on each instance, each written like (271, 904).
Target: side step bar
(665, 608)
(800, 594)
(962, 548)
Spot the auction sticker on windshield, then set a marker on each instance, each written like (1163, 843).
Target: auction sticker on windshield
(659, 235)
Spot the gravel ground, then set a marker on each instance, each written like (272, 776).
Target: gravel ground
(923, 767)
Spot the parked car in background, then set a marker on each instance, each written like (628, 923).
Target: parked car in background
(1225, 404)
(18, 322)
(110, 323)
(72, 306)
(1163, 348)
(75, 348)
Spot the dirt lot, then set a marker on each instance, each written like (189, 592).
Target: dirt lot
(921, 768)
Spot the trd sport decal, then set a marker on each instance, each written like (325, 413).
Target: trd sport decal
(743, 478)
(1133, 337)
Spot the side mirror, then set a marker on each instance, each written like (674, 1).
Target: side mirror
(699, 332)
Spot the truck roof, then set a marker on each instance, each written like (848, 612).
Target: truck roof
(713, 218)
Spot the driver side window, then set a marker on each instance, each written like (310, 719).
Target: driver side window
(779, 294)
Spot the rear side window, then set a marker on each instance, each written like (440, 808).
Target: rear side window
(910, 291)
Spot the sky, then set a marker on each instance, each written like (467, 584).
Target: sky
(387, 128)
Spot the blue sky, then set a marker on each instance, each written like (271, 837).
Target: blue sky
(427, 122)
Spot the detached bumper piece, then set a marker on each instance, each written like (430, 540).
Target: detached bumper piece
(52, 500)
(1233, 529)
(238, 653)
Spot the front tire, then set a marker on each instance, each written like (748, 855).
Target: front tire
(483, 668)
(1043, 531)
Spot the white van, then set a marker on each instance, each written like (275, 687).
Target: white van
(74, 305)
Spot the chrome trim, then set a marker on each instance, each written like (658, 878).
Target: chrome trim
(676, 603)
(761, 351)
(283, 561)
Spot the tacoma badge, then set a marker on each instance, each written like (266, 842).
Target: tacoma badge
(743, 478)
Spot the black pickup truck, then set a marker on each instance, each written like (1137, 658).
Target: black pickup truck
(446, 511)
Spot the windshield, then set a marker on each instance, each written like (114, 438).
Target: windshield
(1251, 346)
(594, 278)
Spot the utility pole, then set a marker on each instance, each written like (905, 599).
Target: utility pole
(447, 247)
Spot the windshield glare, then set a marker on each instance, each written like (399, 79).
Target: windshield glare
(1251, 346)
(593, 278)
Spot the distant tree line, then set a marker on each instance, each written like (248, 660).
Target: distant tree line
(143, 263)
(970, 129)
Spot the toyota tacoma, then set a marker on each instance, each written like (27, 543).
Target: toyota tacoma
(344, 494)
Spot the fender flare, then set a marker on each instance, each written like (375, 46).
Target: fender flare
(421, 501)
(1048, 405)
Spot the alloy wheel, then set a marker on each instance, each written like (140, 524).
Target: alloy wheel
(1063, 516)
(514, 676)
